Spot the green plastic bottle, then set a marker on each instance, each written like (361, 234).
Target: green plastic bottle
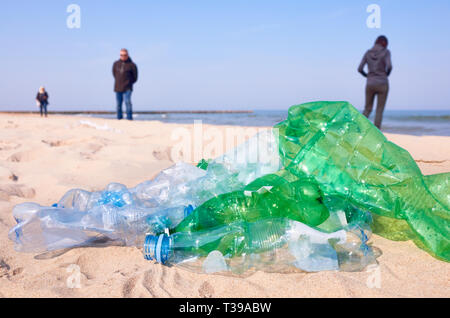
(269, 244)
(280, 195)
(257, 220)
(333, 143)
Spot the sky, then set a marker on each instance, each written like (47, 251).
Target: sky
(211, 55)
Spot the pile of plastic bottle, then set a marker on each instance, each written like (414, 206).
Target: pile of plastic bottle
(304, 196)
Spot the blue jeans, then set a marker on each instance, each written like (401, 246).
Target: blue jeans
(120, 96)
(43, 108)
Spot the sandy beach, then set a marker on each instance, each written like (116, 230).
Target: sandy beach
(42, 158)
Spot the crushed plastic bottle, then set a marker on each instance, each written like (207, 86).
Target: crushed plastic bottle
(276, 196)
(275, 244)
(305, 196)
(238, 167)
(118, 213)
(338, 147)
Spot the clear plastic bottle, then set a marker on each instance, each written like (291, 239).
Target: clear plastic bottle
(271, 245)
(125, 214)
(53, 228)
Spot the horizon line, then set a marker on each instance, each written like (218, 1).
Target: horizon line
(192, 111)
(155, 112)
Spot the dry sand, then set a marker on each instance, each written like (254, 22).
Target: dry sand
(40, 159)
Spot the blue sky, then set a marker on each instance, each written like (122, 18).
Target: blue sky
(221, 54)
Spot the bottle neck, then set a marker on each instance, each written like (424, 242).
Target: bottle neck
(158, 248)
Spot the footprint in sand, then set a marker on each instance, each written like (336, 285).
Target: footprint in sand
(17, 271)
(155, 281)
(162, 154)
(163, 281)
(96, 141)
(138, 286)
(129, 287)
(11, 125)
(24, 156)
(206, 290)
(4, 268)
(4, 196)
(18, 190)
(8, 145)
(90, 150)
(54, 143)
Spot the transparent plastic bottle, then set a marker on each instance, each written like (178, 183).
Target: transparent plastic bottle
(53, 228)
(271, 244)
(120, 213)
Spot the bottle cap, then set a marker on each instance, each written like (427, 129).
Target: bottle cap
(188, 210)
(157, 248)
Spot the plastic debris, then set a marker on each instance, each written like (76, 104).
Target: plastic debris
(335, 145)
(274, 244)
(118, 213)
(304, 196)
(105, 127)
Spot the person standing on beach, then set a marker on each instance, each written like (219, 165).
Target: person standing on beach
(378, 60)
(125, 74)
(42, 100)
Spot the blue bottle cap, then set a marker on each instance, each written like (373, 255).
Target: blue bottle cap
(188, 210)
(157, 248)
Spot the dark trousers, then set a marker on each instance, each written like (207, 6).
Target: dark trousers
(381, 91)
(120, 97)
(43, 109)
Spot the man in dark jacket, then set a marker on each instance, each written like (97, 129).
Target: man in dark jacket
(378, 60)
(125, 74)
(42, 100)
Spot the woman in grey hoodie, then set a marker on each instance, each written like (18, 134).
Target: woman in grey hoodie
(378, 60)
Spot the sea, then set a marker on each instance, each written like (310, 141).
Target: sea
(408, 122)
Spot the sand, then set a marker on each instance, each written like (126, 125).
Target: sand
(40, 159)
